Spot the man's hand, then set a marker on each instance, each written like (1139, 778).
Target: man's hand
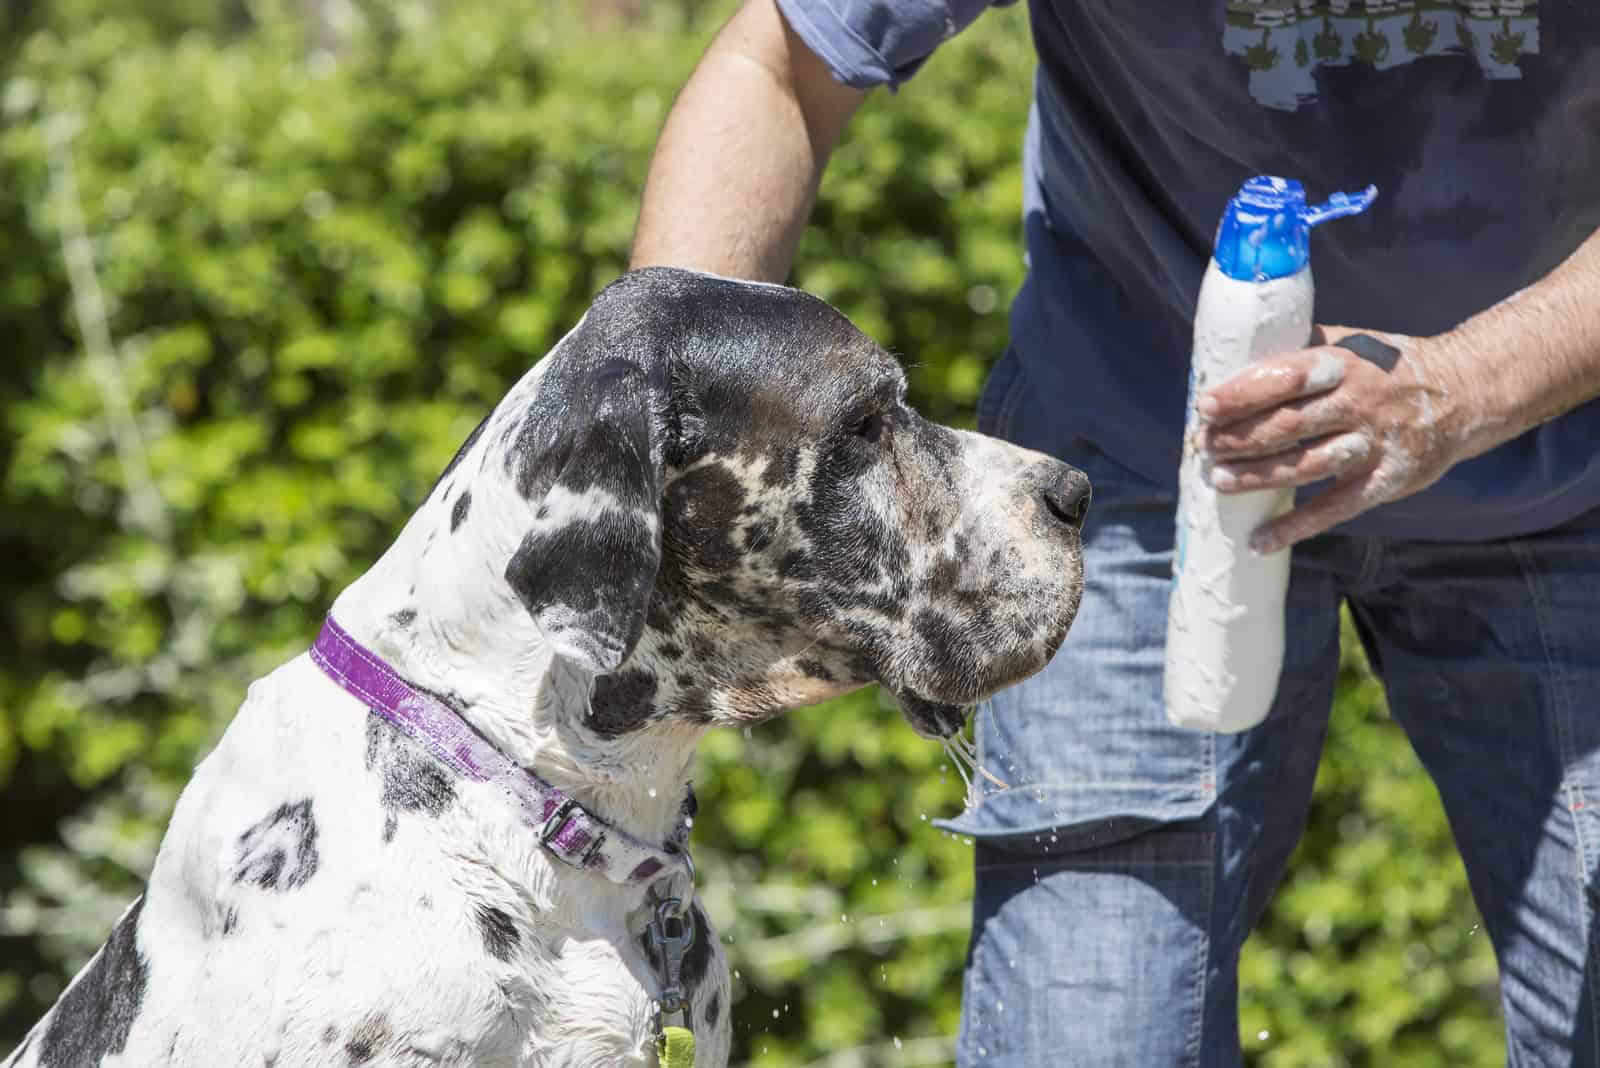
(1383, 422)
(1388, 423)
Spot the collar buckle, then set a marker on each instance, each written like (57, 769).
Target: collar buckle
(557, 823)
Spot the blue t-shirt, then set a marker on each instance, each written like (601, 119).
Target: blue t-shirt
(1478, 121)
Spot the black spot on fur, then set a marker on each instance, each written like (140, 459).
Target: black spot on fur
(404, 618)
(622, 702)
(694, 705)
(945, 577)
(797, 565)
(759, 535)
(684, 680)
(330, 1034)
(230, 920)
(782, 468)
(700, 511)
(366, 1039)
(500, 936)
(727, 603)
(943, 637)
(670, 651)
(814, 669)
(412, 780)
(713, 1010)
(280, 851)
(697, 961)
(94, 1016)
(458, 512)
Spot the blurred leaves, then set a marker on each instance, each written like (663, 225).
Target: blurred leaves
(320, 269)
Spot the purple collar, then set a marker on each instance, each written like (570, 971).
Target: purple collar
(567, 830)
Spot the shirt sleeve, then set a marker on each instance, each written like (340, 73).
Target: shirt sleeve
(879, 42)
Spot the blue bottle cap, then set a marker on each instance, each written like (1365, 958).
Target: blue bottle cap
(1265, 232)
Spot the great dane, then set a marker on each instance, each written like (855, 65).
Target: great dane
(452, 832)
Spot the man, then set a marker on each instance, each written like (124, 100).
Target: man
(1120, 873)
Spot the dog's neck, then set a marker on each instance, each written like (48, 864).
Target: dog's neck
(437, 613)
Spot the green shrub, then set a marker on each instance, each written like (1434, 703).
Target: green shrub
(319, 273)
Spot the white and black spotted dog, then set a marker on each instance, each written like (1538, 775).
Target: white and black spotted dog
(707, 505)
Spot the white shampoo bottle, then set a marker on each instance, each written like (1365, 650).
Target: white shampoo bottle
(1225, 620)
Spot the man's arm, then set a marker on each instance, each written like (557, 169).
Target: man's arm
(737, 167)
(1325, 412)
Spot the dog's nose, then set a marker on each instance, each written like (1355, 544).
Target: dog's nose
(1068, 497)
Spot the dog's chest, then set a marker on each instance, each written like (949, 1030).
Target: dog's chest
(345, 901)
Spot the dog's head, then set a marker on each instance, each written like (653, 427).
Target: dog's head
(734, 512)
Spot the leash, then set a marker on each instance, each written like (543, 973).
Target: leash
(567, 831)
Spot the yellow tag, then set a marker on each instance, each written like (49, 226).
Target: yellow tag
(676, 1048)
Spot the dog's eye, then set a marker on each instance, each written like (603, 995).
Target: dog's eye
(870, 428)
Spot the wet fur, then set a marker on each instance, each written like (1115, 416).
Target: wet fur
(709, 504)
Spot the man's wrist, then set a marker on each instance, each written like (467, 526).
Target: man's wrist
(1456, 371)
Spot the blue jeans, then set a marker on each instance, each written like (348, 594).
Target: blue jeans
(1119, 874)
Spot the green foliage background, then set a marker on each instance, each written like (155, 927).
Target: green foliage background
(320, 269)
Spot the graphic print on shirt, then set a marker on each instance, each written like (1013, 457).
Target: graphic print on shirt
(1283, 42)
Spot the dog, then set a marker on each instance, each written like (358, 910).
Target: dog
(707, 505)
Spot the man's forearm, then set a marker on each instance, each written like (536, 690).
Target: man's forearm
(737, 167)
(1533, 356)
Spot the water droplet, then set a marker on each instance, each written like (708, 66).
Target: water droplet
(651, 791)
(897, 1043)
(844, 917)
(1263, 1035)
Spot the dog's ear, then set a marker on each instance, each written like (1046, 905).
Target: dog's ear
(586, 568)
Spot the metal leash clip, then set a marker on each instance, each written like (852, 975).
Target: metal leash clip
(670, 934)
